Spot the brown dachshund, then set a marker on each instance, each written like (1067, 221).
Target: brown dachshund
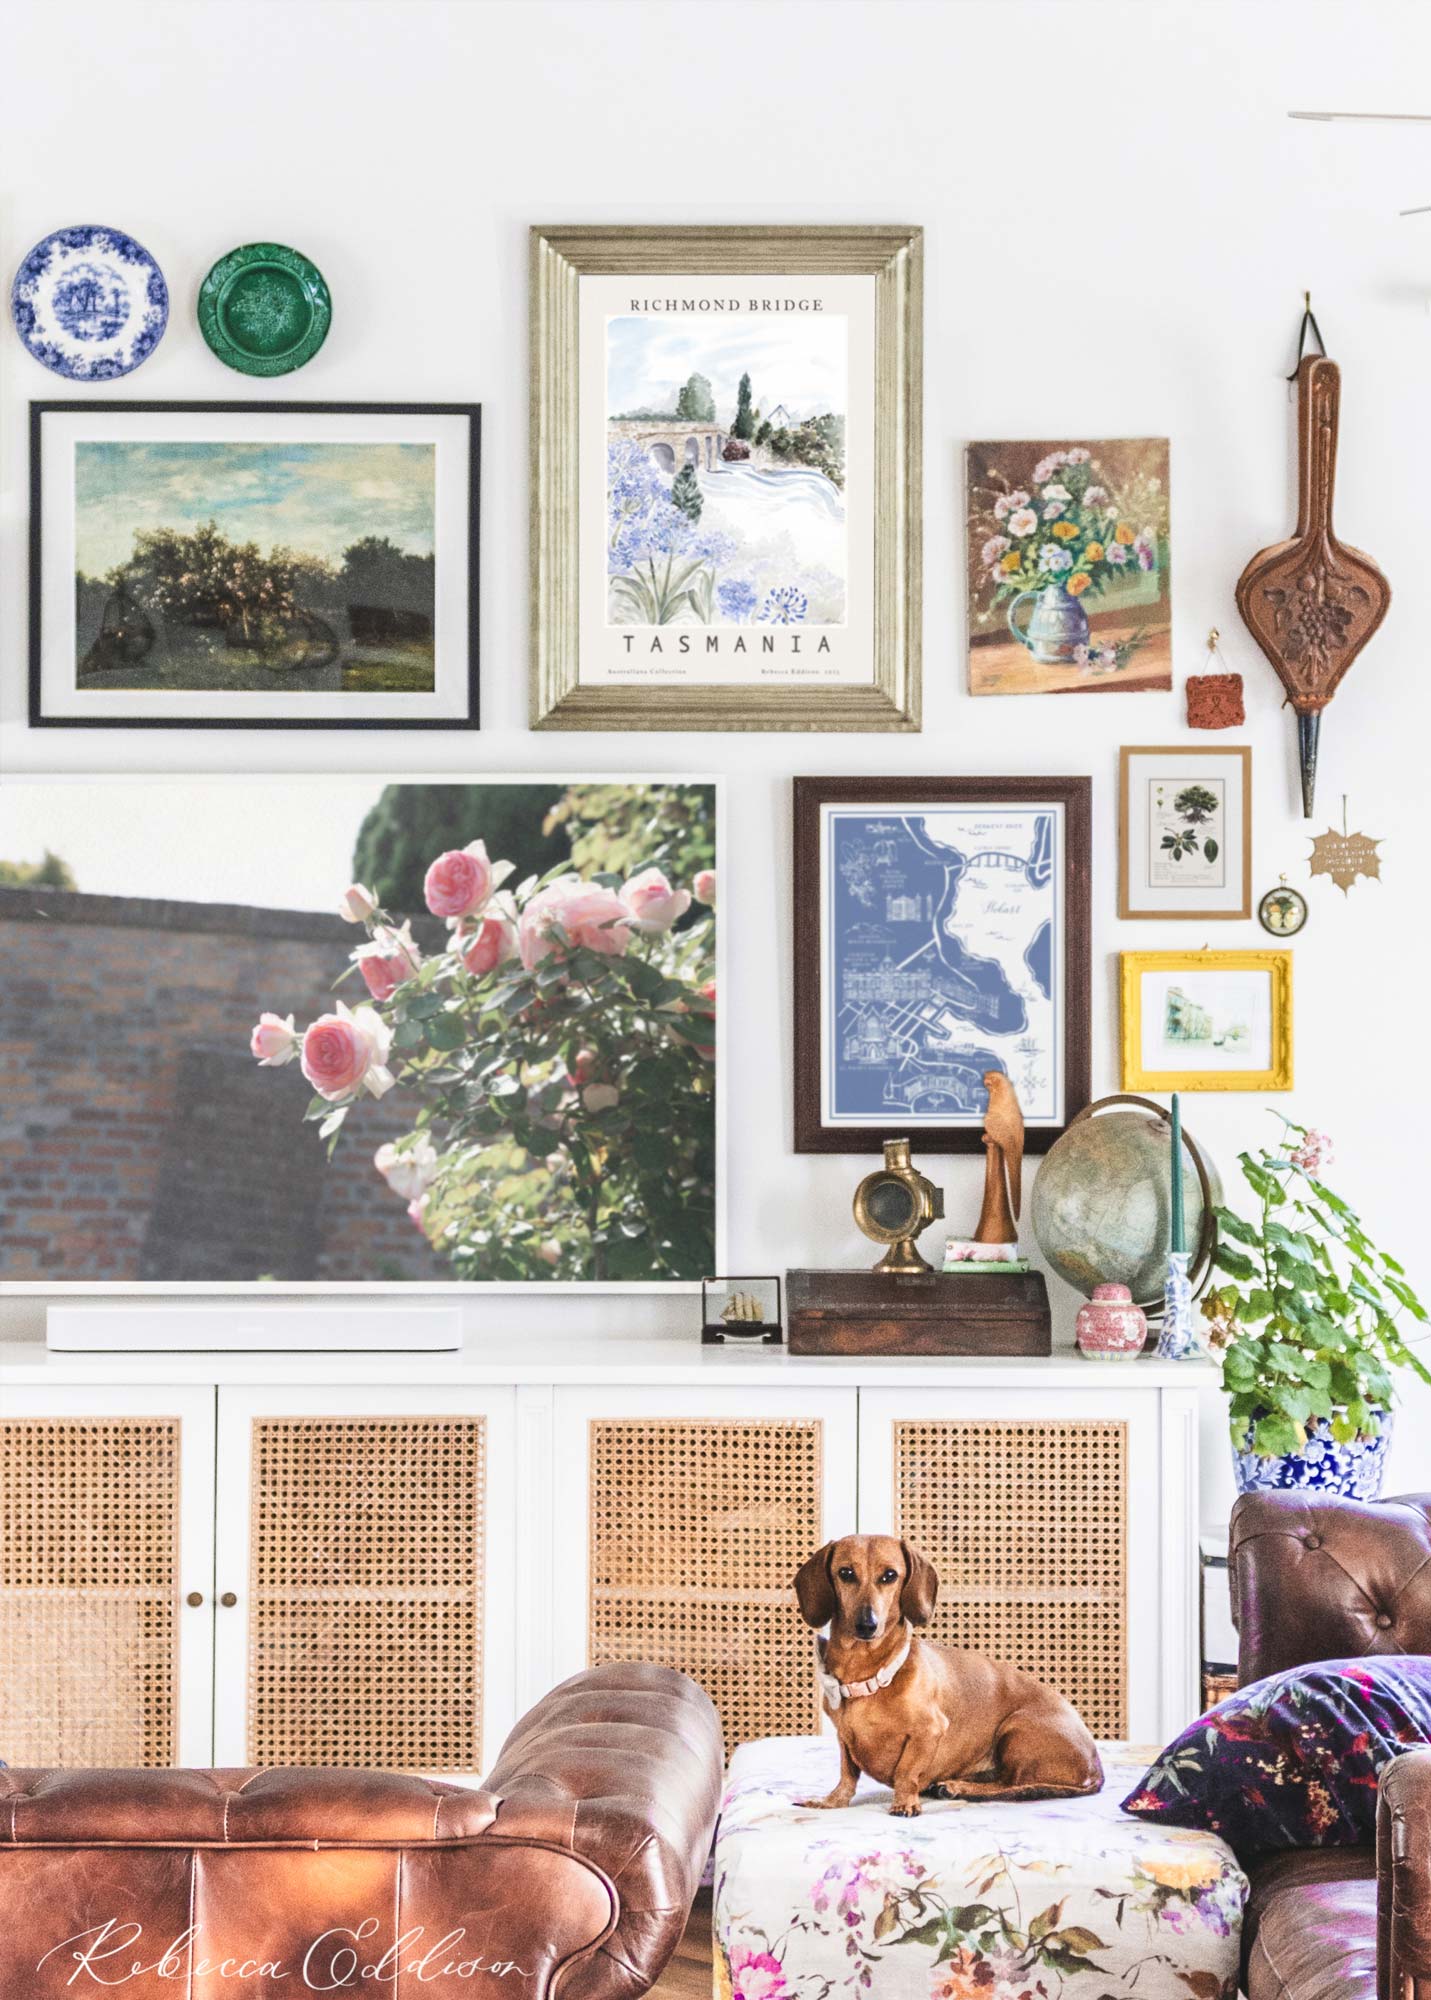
(921, 1717)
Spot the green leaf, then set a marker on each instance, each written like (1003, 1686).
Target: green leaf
(408, 1035)
(1234, 1263)
(1277, 1436)
(447, 1031)
(1229, 1223)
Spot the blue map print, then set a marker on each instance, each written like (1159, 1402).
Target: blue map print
(942, 949)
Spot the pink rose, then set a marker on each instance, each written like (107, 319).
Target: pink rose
(653, 903)
(346, 1052)
(274, 1041)
(550, 1251)
(583, 1067)
(585, 913)
(391, 958)
(704, 886)
(416, 1213)
(408, 1170)
(357, 904)
(494, 940)
(459, 882)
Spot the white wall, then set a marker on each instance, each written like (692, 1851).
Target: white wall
(1120, 223)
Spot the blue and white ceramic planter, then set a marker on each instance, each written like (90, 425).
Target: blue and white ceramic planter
(90, 303)
(1353, 1471)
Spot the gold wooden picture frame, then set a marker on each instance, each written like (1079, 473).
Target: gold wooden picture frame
(855, 665)
(1206, 1010)
(1222, 817)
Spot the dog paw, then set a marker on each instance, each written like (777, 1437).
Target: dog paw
(911, 1809)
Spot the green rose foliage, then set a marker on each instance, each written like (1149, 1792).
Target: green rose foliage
(1310, 1320)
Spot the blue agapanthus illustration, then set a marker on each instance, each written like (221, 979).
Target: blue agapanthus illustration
(737, 597)
(662, 563)
(784, 606)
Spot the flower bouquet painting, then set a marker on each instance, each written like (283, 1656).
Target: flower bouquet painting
(1069, 567)
(338, 1030)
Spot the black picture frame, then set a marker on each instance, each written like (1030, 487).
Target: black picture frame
(39, 410)
(1074, 794)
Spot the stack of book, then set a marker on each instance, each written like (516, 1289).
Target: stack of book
(976, 1258)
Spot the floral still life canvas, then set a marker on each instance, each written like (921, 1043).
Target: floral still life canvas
(332, 1030)
(1069, 567)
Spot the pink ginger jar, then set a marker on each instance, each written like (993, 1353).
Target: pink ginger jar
(1110, 1326)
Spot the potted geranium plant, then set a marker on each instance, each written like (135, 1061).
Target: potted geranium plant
(1308, 1328)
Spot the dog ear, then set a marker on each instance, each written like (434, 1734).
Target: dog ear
(921, 1587)
(815, 1588)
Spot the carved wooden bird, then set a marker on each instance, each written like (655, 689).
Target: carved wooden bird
(1003, 1162)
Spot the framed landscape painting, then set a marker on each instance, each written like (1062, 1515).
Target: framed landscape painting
(1069, 567)
(346, 1032)
(253, 565)
(726, 478)
(1207, 1020)
(941, 933)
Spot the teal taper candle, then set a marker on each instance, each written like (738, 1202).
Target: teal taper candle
(1178, 1234)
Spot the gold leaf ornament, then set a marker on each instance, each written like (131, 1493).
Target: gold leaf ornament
(1344, 856)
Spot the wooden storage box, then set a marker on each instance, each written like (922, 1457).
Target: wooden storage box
(935, 1312)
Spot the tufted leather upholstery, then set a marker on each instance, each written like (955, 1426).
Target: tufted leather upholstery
(1328, 1579)
(573, 1867)
(1321, 1580)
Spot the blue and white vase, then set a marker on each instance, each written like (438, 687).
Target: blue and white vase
(1057, 626)
(1177, 1341)
(1353, 1471)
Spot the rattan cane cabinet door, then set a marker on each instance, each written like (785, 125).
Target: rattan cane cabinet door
(697, 1520)
(105, 1533)
(1026, 1517)
(359, 1559)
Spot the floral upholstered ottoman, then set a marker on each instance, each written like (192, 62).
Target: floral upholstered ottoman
(1062, 1899)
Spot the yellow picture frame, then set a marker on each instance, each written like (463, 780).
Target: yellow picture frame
(1135, 968)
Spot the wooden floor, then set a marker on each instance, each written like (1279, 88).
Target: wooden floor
(688, 1976)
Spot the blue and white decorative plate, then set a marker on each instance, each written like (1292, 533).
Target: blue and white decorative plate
(90, 303)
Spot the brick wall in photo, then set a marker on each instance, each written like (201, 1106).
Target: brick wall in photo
(138, 1138)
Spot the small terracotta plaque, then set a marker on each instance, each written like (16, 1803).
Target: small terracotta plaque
(1215, 701)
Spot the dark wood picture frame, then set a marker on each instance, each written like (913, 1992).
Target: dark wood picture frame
(1074, 795)
(199, 406)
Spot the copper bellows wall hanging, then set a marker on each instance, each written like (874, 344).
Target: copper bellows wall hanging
(1312, 603)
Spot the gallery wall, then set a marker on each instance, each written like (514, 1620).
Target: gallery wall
(1120, 221)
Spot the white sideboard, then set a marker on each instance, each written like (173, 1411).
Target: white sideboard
(382, 1559)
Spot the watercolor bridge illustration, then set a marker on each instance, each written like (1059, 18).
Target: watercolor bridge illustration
(673, 442)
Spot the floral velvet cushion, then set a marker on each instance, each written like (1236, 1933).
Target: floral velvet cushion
(1293, 1760)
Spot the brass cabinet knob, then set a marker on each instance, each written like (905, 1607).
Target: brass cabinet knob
(228, 1600)
(194, 1599)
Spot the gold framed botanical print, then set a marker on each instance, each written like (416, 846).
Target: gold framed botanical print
(1206, 1020)
(725, 477)
(1185, 831)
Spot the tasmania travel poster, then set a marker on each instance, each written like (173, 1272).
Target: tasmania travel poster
(726, 477)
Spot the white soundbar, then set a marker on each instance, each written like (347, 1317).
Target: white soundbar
(258, 1328)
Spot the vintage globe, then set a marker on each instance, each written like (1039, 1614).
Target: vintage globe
(1101, 1202)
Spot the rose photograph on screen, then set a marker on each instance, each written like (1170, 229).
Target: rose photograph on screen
(323, 1030)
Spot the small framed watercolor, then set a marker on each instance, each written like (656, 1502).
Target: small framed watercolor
(1206, 1020)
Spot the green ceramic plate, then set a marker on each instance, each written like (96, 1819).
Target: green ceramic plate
(264, 309)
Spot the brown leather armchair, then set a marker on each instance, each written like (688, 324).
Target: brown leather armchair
(1322, 1579)
(569, 1873)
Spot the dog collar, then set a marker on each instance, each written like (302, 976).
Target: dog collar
(837, 1691)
